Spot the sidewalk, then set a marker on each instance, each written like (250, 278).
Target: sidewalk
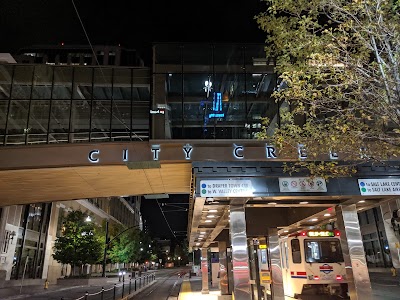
(58, 291)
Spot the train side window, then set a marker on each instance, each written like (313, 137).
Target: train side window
(296, 254)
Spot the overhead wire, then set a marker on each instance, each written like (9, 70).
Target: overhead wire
(165, 218)
(127, 128)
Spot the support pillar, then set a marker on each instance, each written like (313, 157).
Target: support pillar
(204, 271)
(276, 268)
(353, 252)
(223, 269)
(240, 255)
(387, 209)
(214, 266)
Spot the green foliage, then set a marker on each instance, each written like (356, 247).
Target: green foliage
(339, 65)
(126, 247)
(79, 243)
(132, 245)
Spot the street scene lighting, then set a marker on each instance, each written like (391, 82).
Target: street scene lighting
(121, 274)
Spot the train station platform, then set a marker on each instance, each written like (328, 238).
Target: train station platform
(191, 290)
(384, 287)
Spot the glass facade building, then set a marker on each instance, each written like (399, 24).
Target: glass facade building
(59, 104)
(212, 91)
(194, 91)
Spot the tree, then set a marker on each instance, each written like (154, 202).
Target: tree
(339, 92)
(146, 249)
(126, 247)
(79, 243)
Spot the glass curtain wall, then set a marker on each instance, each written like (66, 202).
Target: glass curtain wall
(31, 241)
(213, 91)
(374, 238)
(63, 104)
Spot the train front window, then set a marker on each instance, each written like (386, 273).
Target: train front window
(323, 251)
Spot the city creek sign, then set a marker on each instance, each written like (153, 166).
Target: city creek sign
(206, 152)
(187, 150)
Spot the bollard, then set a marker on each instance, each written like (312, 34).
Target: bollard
(130, 283)
(123, 289)
(102, 293)
(135, 284)
(140, 282)
(86, 295)
(115, 291)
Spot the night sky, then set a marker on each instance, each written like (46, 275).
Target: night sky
(133, 24)
(176, 215)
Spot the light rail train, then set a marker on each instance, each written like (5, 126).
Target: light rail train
(312, 263)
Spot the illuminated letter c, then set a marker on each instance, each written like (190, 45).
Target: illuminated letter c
(91, 157)
(236, 152)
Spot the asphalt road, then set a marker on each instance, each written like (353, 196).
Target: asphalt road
(165, 287)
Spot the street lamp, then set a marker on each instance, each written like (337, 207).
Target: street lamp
(121, 274)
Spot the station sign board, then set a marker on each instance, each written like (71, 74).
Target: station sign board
(226, 188)
(385, 186)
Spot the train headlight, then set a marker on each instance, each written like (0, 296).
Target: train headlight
(339, 277)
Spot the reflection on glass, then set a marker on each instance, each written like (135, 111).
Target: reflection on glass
(323, 251)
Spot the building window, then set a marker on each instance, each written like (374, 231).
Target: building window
(111, 58)
(75, 58)
(100, 57)
(87, 59)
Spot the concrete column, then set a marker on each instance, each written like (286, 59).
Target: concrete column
(159, 97)
(214, 265)
(240, 255)
(353, 252)
(393, 241)
(223, 269)
(204, 271)
(276, 268)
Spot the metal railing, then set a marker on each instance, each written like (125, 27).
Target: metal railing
(120, 290)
